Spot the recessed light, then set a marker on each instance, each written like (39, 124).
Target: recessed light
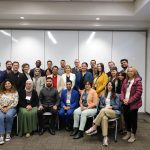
(22, 18)
(97, 18)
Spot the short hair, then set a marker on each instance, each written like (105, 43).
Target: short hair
(38, 60)
(54, 67)
(111, 62)
(63, 60)
(69, 81)
(124, 60)
(87, 81)
(49, 61)
(85, 63)
(8, 62)
(25, 64)
(93, 60)
(114, 68)
(47, 78)
(15, 62)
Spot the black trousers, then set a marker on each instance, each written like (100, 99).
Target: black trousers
(42, 118)
(130, 117)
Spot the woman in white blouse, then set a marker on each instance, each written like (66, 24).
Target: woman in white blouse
(68, 76)
(8, 103)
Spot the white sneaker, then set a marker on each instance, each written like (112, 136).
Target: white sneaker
(105, 141)
(2, 140)
(127, 136)
(8, 138)
(132, 138)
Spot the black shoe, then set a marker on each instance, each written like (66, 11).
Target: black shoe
(79, 135)
(52, 131)
(68, 128)
(41, 132)
(74, 132)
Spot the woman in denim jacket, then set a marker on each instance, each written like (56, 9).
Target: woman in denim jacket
(109, 106)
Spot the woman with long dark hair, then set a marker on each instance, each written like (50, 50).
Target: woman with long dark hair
(8, 103)
(109, 106)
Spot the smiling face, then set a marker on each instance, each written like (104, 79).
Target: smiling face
(29, 84)
(109, 87)
(131, 72)
(26, 69)
(8, 85)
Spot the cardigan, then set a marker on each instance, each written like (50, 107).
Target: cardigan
(23, 102)
(92, 98)
(135, 100)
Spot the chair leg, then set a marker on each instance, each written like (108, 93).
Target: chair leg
(17, 125)
(116, 131)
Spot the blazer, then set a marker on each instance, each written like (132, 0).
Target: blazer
(60, 83)
(115, 103)
(72, 78)
(23, 102)
(88, 77)
(101, 83)
(135, 100)
(74, 102)
(40, 84)
(92, 98)
(74, 70)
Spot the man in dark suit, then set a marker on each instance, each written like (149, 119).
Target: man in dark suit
(68, 103)
(38, 65)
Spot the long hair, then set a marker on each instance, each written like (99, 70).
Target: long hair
(113, 94)
(3, 89)
(102, 66)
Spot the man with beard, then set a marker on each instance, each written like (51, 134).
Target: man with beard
(16, 77)
(38, 65)
(49, 101)
(8, 69)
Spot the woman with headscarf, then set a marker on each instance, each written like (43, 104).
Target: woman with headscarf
(28, 102)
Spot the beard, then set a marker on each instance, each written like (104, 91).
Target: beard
(9, 68)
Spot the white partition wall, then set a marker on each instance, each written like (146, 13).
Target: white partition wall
(131, 45)
(95, 45)
(28, 46)
(148, 75)
(5, 47)
(61, 45)
(103, 46)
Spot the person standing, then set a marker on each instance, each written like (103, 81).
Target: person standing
(131, 93)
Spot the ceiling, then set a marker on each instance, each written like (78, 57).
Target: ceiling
(75, 14)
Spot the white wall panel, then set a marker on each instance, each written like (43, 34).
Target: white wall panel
(66, 47)
(131, 45)
(28, 46)
(5, 47)
(98, 48)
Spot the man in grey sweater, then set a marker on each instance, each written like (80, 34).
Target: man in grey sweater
(49, 101)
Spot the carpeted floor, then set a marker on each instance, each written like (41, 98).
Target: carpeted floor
(62, 140)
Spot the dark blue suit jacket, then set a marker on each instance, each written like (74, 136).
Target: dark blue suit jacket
(74, 99)
(88, 77)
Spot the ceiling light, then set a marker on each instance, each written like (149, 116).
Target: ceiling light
(97, 18)
(22, 18)
(90, 37)
(5, 33)
(51, 37)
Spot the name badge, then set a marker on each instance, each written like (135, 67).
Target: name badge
(28, 98)
(67, 101)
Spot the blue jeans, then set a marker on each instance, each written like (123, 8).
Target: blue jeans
(6, 120)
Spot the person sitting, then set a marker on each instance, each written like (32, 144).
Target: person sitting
(28, 103)
(8, 103)
(109, 105)
(69, 102)
(49, 101)
(88, 103)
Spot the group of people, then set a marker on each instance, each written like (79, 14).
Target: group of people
(70, 94)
